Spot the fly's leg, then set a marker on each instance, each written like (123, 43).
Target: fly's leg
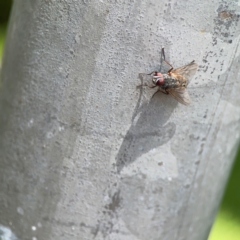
(163, 53)
(151, 73)
(148, 73)
(145, 85)
(163, 91)
(152, 86)
(160, 90)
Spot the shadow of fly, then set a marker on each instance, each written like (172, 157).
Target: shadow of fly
(175, 81)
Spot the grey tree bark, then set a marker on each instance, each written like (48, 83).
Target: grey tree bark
(87, 155)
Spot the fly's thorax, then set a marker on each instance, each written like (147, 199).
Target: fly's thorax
(169, 82)
(173, 82)
(166, 80)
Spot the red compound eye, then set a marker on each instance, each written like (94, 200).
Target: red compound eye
(160, 81)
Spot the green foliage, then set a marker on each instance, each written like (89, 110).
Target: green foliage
(226, 227)
(5, 7)
(2, 38)
(231, 200)
(227, 224)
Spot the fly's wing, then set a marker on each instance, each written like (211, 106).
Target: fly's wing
(186, 71)
(180, 94)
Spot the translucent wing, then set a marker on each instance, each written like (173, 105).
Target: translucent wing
(180, 94)
(186, 71)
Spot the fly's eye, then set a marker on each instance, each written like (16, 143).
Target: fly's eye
(155, 78)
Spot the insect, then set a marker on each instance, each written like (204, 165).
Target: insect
(175, 81)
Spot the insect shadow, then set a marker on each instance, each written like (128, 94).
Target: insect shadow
(149, 129)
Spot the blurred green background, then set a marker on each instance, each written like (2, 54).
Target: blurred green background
(227, 223)
(5, 7)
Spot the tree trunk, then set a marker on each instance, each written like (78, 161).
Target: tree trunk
(85, 154)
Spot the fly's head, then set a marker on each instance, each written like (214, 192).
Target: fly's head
(158, 79)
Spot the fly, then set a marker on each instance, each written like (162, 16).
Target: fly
(175, 81)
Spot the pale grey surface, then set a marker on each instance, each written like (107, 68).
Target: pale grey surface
(87, 155)
(6, 234)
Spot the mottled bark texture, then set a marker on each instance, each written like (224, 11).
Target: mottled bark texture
(85, 154)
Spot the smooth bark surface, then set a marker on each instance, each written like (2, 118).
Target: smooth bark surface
(85, 154)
